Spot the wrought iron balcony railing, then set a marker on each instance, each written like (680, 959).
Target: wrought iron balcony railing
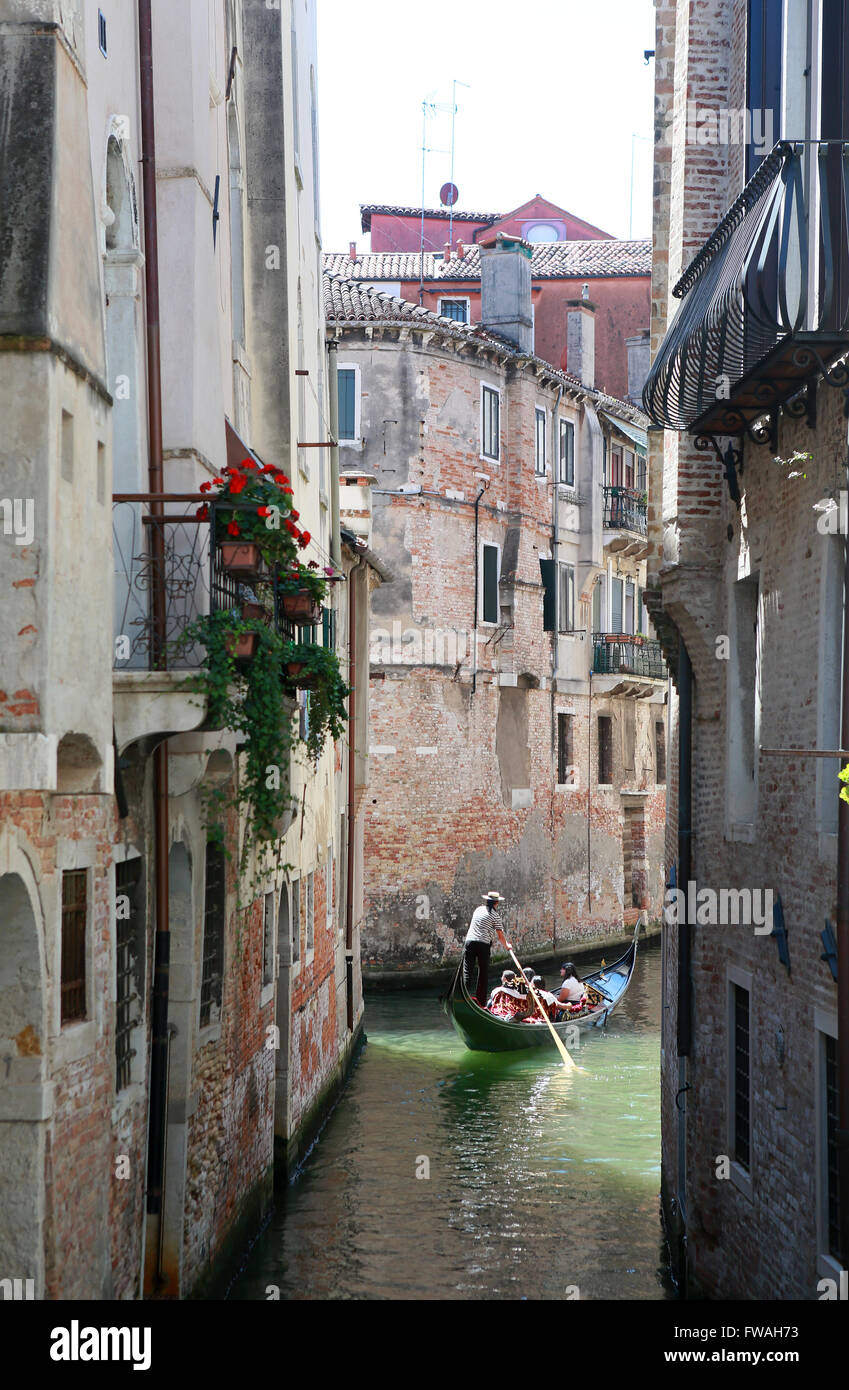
(765, 303)
(619, 653)
(624, 510)
(171, 555)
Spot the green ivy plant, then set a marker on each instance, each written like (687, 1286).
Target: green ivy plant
(328, 692)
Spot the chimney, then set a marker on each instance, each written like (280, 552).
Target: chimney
(639, 361)
(448, 250)
(506, 289)
(461, 250)
(352, 251)
(580, 340)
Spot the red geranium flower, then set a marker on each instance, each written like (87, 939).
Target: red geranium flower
(269, 468)
(304, 539)
(237, 483)
(206, 487)
(313, 564)
(202, 513)
(289, 490)
(263, 511)
(232, 528)
(280, 479)
(295, 515)
(247, 463)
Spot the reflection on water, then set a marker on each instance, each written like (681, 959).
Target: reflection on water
(539, 1179)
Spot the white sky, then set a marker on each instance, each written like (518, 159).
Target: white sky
(556, 90)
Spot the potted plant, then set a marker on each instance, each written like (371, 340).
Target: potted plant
(316, 669)
(302, 589)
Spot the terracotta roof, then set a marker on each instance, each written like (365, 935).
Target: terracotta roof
(366, 210)
(347, 302)
(558, 260)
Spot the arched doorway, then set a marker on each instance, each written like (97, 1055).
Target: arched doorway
(22, 1134)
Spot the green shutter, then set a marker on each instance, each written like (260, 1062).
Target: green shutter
(549, 603)
(347, 404)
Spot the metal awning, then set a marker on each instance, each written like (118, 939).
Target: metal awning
(637, 436)
(765, 303)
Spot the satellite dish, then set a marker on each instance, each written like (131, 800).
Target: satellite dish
(448, 195)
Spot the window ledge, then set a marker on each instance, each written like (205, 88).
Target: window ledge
(741, 1179)
(76, 1040)
(266, 995)
(210, 1034)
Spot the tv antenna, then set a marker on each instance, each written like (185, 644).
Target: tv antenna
(429, 108)
(456, 83)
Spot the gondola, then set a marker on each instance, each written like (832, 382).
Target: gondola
(483, 1032)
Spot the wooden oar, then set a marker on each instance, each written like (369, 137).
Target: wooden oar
(568, 1061)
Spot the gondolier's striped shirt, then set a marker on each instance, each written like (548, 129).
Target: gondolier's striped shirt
(483, 926)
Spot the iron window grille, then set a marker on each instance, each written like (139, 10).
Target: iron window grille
(128, 885)
(605, 750)
(73, 971)
(742, 1073)
(212, 975)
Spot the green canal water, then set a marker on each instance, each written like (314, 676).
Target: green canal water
(540, 1182)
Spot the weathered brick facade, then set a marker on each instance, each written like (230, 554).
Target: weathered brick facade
(754, 1229)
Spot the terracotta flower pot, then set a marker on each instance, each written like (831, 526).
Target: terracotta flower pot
(295, 671)
(255, 610)
(300, 606)
(240, 559)
(242, 646)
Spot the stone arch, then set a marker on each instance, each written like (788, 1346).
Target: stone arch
(22, 1046)
(78, 765)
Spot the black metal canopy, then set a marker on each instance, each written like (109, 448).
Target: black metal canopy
(765, 302)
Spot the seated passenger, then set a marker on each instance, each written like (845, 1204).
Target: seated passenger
(548, 999)
(506, 981)
(572, 990)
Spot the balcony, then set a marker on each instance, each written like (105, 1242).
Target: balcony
(624, 521)
(627, 665)
(167, 573)
(764, 315)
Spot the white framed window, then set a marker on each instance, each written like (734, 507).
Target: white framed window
(490, 569)
(457, 308)
(491, 423)
(739, 1077)
(539, 440)
(566, 454)
(350, 404)
(566, 599)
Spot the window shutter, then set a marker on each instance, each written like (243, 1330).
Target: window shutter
(549, 603)
(347, 413)
(490, 584)
(597, 608)
(616, 613)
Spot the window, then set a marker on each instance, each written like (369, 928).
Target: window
(347, 378)
(128, 887)
(539, 438)
(566, 598)
(296, 920)
(629, 606)
(268, 941)
(490, 423)
(213, 936)
(457, 309)
(566, 472)
(616, 605)
(629, 469)
(605, 750)
(101, 32)
(616, 467)
(743, 678)
(598, 595)
(741, 1074)
(659, 752)
(763, 74)
(74, 918)
(641, 473)
(310, 912)
(829, 1187)
(565, 751)
(489, 584)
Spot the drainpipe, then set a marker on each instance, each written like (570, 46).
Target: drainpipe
(352, 729)
(333, 376)
(555, 481)
(477, 582)
(685, 984)
(159, 1010)
(843, 949)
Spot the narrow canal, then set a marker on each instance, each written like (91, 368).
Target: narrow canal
(539, 1182)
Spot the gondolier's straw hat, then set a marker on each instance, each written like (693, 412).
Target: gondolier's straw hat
(492, 894)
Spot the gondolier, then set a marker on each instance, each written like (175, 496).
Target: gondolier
(484, 929)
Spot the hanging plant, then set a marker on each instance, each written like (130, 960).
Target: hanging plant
(316, 669)
(253, 506)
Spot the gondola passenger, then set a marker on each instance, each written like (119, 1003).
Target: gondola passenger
(572, 989)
